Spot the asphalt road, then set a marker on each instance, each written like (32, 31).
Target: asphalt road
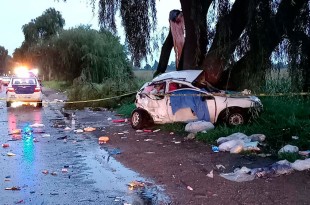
(54, 166)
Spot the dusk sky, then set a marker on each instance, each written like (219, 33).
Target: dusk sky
(15, 13)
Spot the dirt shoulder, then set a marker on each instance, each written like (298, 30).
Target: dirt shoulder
(182, 167)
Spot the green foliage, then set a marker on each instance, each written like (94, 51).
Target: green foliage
(56, 85)
(282, 118)
(126, 109)
(291, 157)
(107, 92)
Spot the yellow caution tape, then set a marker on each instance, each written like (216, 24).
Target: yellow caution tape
(214, 94)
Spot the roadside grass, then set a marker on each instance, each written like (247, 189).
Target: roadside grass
(107, 95)
(56, 85)
(282, 118)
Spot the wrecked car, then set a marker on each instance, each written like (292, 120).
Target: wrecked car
(182, 96)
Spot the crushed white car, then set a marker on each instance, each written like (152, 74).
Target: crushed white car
(182, 96)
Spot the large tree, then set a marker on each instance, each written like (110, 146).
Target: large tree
(237, 51)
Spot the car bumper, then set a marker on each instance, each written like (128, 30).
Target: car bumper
(35, 97)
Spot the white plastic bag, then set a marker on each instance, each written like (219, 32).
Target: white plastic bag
(288, 148)
(235, 136)
(239, 175)
(226, 146)
(301, 165)
(198, 126)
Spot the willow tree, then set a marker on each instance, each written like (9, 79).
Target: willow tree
(236, 52)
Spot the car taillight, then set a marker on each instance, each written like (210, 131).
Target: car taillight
(37, 89)
(10, 89)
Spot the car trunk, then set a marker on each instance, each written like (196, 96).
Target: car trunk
(24, 89)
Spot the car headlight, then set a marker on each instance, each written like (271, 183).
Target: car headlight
(255, 99)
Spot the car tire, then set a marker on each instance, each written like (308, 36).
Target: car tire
(8, 104)
(39, 104)
(140, 119)
(234, 116)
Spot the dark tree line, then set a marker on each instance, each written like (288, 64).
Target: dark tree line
(237, 51)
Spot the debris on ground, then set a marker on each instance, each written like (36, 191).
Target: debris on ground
(288, 149)
(210, 174)
(10, 154)
(282, 167)
(103, 139)
(120, 120)
(89, 129)
(79, 131)
(45, 171)
(190, 136)
(238, 142)
(37, 125)
(14, 188)
(136, 184)
(190, 188)
(198, 126)
(5, 145)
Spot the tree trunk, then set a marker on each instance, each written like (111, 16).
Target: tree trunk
(228, 32)
(164, 55)
(196, 36)
(249, 71)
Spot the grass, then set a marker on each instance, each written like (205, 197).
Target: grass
(283, 117)
(57, 85)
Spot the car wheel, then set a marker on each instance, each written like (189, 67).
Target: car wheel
(39, 104)
(8, 104)
(139, 119)
(234, 117)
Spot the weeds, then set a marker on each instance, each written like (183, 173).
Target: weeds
(57, 85)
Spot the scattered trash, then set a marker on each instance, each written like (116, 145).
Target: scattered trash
(210, 174)
(109, 118)
(120, 133)
(156, 130)
(89, 129)
(139, 130)
(54, 173)
(177, 142)
(135, 184)
(264, 155)
(62, 138)
(45, 171)
(19, 202)
(219, 166)
(304, 153)
(46, 135)
(190, 136)
(64, 170)
(10, 154)
(189, 188)
(288, 149)
(198, 126)
(149, 152)
(171, 133)
(5, 145)
(14, 188)
(37, 125)
(215, 148)
(301, 165)
(239, 175)
(78, 131)
(238, 142)
(120, 120)
(17, 131)
(295, 137)
(67, 128)
(147, 131)
(148, 140)
(103, 139)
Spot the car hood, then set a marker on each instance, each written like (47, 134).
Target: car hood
(186, 75)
